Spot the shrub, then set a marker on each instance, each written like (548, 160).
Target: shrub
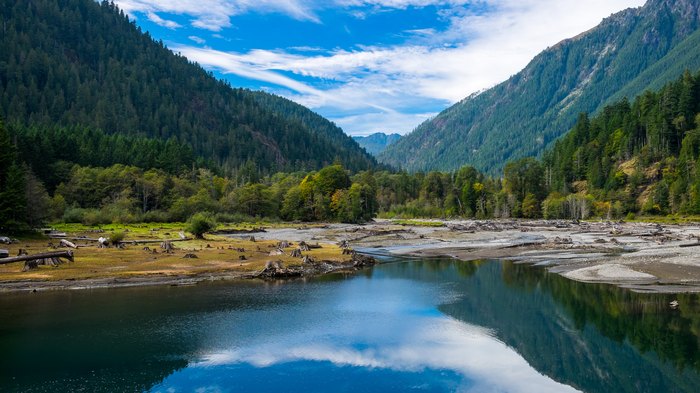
(117, 237)
(201, 223)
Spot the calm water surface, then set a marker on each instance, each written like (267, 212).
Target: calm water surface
(428, 325)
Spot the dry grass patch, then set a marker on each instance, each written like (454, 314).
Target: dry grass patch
(215, 254)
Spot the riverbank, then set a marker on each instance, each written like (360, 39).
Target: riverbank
(644, 257)
(142, 260)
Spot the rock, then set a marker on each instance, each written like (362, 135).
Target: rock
(283, 244)
(674, 304)
(190, 256)
(275, 252)
(4, 253)
(242, 257)
(359, 260)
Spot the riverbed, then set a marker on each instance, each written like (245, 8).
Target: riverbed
(408, 324)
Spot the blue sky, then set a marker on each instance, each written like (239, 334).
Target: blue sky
(368, 65)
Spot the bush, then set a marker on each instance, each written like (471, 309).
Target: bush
(117, 237)
(201, 223)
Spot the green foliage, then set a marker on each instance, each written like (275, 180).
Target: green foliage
(634, 50)
(201, 223)
(117, 237)
(82, 62)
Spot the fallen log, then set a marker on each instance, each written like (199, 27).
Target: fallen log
(690, 245)
(67, 254)
(66, 243)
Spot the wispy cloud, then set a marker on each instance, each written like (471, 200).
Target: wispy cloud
(481, 43)
(153, 17)
(197, 39)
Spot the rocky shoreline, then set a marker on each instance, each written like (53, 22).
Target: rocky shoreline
(639, 256)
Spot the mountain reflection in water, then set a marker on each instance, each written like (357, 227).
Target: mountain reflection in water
(427, 325)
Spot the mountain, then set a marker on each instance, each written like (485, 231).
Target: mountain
(627, 53)
(377, 142)
(80, 62)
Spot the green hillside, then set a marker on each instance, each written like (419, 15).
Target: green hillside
(79, 62)
(626, 53)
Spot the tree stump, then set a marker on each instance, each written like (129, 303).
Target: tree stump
(307, 260)
(275, 252)
(167, 246)
(296, 253)
(304, 247)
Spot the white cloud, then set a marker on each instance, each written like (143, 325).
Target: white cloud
(196, 39)
(475, 51)
(162, 22)
(215, 15)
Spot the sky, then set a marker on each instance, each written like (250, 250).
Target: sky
(368, 65)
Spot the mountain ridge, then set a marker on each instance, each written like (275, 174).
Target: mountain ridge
(523, 115)
(83, 63)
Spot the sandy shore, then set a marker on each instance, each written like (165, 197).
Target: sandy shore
(639, 256)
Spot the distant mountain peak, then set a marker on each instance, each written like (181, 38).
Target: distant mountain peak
(377, 142)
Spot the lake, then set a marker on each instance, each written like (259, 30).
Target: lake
(405, 325)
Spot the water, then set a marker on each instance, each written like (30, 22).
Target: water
(424, 326)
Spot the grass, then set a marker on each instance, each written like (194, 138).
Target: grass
(669, 219)
(420, 223)
(215, 254)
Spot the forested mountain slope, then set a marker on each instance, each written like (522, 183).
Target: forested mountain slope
(79, 62)
(639, 156)
(627, 53)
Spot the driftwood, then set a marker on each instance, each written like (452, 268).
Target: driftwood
(46, 258)
(66, 243)
(690, 245)
(67, 254)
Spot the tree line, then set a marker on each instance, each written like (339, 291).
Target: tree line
(638, 157)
